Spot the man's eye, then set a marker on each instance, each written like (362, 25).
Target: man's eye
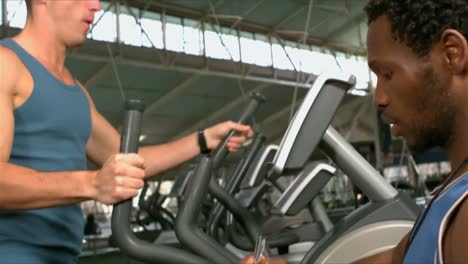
(387, 76)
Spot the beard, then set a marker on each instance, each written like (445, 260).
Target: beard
(435, 120)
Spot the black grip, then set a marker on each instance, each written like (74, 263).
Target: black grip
(256, 99)
(131, 126)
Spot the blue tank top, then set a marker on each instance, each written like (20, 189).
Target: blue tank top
(52, 128)
(426, 246)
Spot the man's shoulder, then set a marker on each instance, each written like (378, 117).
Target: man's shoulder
(10, 66)
(7, 55)
(456, 236)
(9, 61)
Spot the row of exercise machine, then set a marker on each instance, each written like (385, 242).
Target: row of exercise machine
(234, 216)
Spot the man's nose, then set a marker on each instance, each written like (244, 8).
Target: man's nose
(381, 99)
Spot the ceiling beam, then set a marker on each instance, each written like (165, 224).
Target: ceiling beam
(185, 69)
(277, 115)
(95, 76)
(343, 28)
(307, 22)
(288, 18)
(276, 136)
(248, 12)
(171, 93)
(226, 109)
(300, 10)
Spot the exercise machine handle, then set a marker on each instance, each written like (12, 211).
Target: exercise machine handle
(121, 214)
(256, 99)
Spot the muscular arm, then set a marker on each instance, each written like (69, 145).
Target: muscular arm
(105, 141)
(456, 236)
(165, 156)
(24, 188)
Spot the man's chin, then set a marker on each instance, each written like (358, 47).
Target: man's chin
(75, 44)
(419, 147)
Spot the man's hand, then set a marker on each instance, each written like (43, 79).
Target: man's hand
(263, 260)
(120, 178)
(216, 133)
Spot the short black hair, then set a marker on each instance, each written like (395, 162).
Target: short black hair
(420, 23)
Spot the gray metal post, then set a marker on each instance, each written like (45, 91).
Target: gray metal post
(320, 214)
(356, 167)
(377, 141)
(117, 21)
(5, 23)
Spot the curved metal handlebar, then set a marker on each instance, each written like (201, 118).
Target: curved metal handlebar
(187, 229)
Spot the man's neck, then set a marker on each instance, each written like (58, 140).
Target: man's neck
(458, 148)
(41, 42)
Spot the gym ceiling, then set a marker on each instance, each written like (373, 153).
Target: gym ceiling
(186, 92)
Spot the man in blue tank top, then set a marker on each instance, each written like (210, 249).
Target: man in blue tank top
(49, 126)
(419, 51)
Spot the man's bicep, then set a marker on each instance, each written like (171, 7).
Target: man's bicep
(6, 108)
(6, 127)
(456, 236)
(400, 250)
(104, 140)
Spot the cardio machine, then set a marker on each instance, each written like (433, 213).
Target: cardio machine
(387, 217)
(372, 228)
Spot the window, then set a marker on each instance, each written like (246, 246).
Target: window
(193, 38)
(357, 67)
(216, 49)
(1, 12)
(186, 35)
(16, 13)
(153, 30)
(105, 29)
(130, 32)
(174, 34)
(256, 51)
(280, 59)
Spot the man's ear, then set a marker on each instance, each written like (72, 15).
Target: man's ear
(455, 49)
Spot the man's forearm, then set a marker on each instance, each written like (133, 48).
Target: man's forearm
(24, 188)
(166, 156)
